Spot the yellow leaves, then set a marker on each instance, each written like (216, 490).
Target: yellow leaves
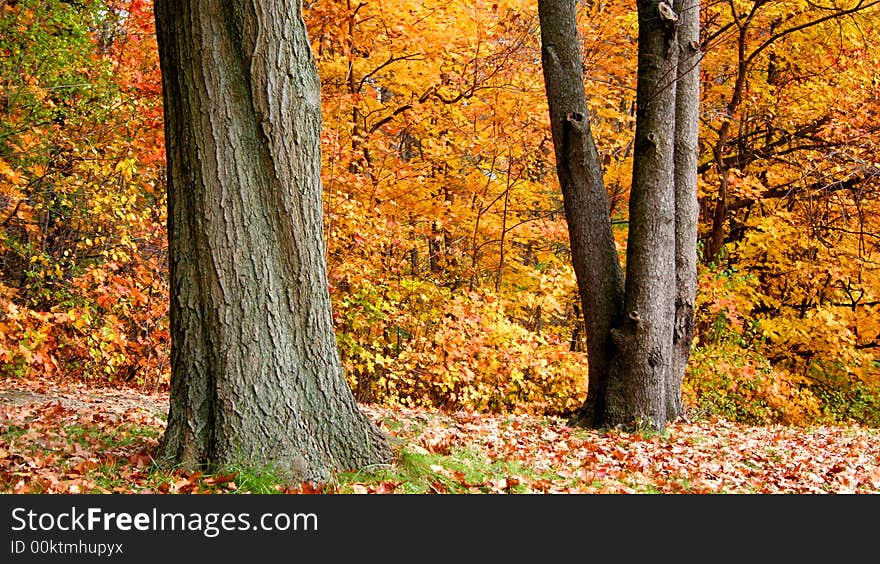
(11, 175)
(79, 319)
(516, 376)
(126, 167)
(369, 363)
(741, 385)
(434, 199)
(770, 330)
(478, 359)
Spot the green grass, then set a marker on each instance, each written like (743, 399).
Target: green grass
(12, 432)
(253, 480)
(462, 471)
(120, 437)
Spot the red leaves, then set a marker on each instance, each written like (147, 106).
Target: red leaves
(56, 441)
(140, 460)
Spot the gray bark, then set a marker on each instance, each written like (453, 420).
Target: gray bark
(687, 208)
(645, 337)
(594, 255)
(256, 377)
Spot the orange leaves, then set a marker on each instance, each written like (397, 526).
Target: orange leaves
(436, 173)
(10, 175)
(704, 457)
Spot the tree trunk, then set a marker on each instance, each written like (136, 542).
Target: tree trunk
(645, 337)
(634, 376)
(687, 207)
(594, 255)
(256, 377)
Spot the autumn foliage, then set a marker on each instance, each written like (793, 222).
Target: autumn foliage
(82, 246)
(447, 244)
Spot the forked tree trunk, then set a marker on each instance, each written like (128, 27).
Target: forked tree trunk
(256, 376)
(640, 329)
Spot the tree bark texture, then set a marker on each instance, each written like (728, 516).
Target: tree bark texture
(256, 376)
(687, 207)
(645, 336)
(638, 325)
(593, 252)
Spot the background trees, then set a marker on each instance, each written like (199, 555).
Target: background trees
(83, 290)
(448, 253)
(787, 176)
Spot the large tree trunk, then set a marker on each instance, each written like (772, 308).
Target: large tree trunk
(635, 369)
(594, 255)
(256, 376)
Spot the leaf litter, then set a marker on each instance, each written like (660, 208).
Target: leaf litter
(76, 438)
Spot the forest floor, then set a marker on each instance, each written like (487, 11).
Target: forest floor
(77, 438)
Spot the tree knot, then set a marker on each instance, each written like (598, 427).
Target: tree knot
(667, 14)
(577, 120)
(654, 357)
